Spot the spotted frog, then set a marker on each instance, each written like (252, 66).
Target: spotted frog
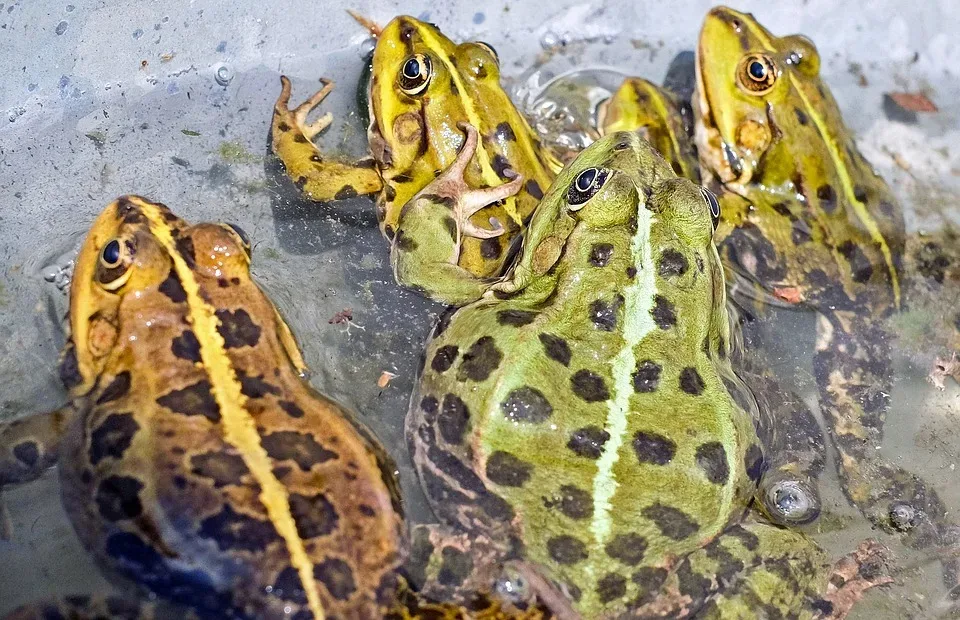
(423, 86)
(577, 428)
(195, 460)
(807, 221)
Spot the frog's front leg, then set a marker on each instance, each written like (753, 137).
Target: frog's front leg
(852, 367)
(426, 247)
(319, 178)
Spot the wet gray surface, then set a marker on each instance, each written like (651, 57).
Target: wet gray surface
(99, 99)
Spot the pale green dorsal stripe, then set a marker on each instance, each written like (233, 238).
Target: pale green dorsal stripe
(637, 323)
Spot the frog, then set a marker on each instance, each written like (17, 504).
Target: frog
(580, 432)
(808, 224)
(196, 462)
(422, 86)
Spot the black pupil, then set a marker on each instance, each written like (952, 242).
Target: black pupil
(111, 252)
(586, 179)
(411, 69)
(757, 70)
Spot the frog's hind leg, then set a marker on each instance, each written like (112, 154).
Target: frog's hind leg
(760, 570)
(95, 608)
(321, 179)
(426, 247)
(854, 375)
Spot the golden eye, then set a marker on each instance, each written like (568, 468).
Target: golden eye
(757, 74)
(113, 270)
(713, 205)
(585, 186)
(415, 74)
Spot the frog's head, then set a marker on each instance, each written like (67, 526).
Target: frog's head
(747, 91)
(417, 77)
(136, 246)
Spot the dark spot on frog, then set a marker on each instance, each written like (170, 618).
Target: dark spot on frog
(567, 550)
(823, 606)
(631, 272)
(800, 232)
(753, 462)
(27, 452)
(288, 586)
(556, 348)
(860, 194)
(337, 578)
(691, 583)
(172, 288)
(186, 347)
(747, 245)
(118, 498)
(711, 457)
(404, 242)
(887, 208)
(237, 329)
(314, 515)
(516, 318)
(300, 138)
(691, 382)
(444, 358)
(223, 468)
(490, 248)
(195, 399)
(496, 507)
(600, 254)
(828, 198)
(627, 548)
(533, 188)
(748, 539)
(932, 263)
(672, 522)
(450, 225)
(526, 404)
(254, 386)
(801, 116)
(430, 406)
(230, 529)
(291, 408)
(784, 209)
(112, 437)
(301, 448)
(185, 248)
(611, 587)
(649, 579)
(589, 386)
(860, 265)
(672, 263)
(588, 441)
(663, 312)
(573, 502)
(505, 132)
(455, 566)
(507, 470)
(480, 360)
(454, 419)
(389, 232)
(448, 463)
(69, 368)
(282, 126)
(646, 378)
(653, 448)
(500, 165)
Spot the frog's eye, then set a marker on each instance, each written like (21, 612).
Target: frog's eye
(113, 269)
(757, 74)
(585, 185)
(713, 205)
(491, 49)
(244, 239)
(415, 74)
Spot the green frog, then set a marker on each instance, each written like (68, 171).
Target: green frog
(580, 432)
(195, 460)
(422, 87)
(809, 224)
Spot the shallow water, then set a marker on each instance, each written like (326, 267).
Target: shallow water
(83, 121)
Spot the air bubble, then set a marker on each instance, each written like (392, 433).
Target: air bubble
(223, 75)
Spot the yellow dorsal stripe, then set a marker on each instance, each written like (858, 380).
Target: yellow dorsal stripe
(239, 428)
(859, 208)
(661, 107)
(473, 117)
